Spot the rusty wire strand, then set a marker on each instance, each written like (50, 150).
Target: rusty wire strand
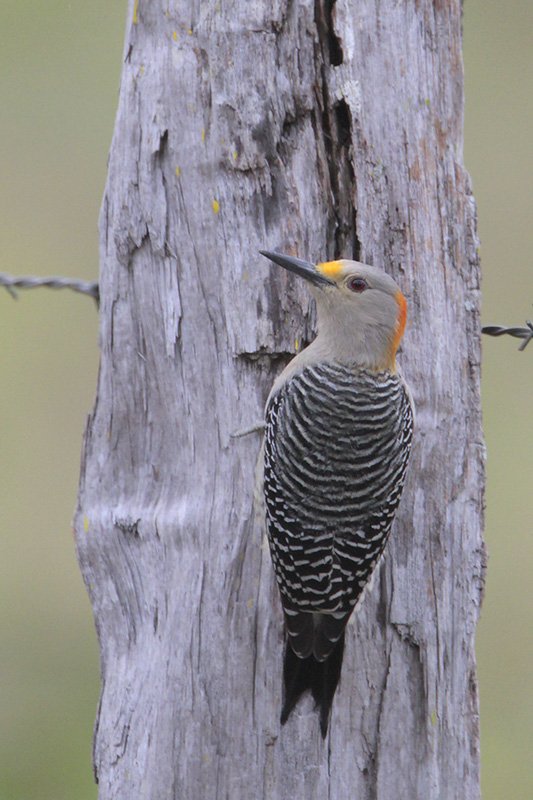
(10, 283)
(518, 333)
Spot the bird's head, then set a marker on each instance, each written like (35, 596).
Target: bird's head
(361, 310)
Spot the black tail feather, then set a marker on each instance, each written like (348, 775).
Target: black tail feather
(320, 677)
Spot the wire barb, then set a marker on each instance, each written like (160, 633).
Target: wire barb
(518, 333)
(10, 282)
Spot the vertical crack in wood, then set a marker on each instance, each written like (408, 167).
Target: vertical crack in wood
(336, 56)
(336, 127)
(94, 758)
(374, 756)
(255, 646)
(437, 627)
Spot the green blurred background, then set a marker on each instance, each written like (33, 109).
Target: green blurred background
(60, 66)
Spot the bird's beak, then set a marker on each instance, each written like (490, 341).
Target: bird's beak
(302, 268)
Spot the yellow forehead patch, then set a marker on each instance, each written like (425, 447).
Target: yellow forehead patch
(331, 269)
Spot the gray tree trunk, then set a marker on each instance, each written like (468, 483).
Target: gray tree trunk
(320, 129)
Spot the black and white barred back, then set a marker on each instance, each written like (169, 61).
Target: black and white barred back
(337, 443)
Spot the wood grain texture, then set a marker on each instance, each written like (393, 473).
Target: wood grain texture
(320, 129)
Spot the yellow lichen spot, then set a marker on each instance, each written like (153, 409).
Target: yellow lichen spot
(246, 277)
(168, 14)
(178, 171)
(427, 102)
(135, 7)
(86, 524)
(142, 70)
(250, 603)
(175, 35)
(207, 758)
(433, 717)
(192, 106)
(203, 134)
(235, 155)
(190, 31)
(223, 141)
(216, 206)
(296, 345)
(331, 269)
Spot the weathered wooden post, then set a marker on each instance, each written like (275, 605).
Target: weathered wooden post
(323, 129)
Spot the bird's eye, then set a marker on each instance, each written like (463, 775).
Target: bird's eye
(357, 285)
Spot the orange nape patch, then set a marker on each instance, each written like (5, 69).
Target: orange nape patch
(400, 325)
(331, 269)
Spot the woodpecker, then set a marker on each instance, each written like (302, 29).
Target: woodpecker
(338, 431)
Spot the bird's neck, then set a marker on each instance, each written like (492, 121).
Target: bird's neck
(371, 348)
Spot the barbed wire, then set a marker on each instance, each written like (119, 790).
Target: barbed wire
(518, 333)
(11, 282)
